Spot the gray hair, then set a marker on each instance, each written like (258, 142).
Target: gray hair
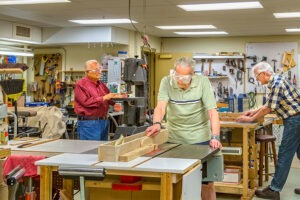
(90, 63)
(185, 62)
(263, 67)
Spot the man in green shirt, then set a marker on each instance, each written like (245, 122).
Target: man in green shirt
(191, 107)
(191, 111)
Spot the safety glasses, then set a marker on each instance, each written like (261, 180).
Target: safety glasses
(184, 79)
(95, 70)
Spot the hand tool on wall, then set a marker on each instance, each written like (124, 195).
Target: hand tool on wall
(219, 89)
(250, 79)
(202, 65)
(274, 64)
(239, 76)
(264, 59)
(290, 75)
(241, 65)
(227, 62)
(209, 66)
(224, 68)
(294, 80)
(233, 63)
(253, 58)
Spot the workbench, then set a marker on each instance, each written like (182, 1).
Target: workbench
(248, 184)
(174, 172)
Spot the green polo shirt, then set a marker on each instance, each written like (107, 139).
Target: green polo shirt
(187, 116)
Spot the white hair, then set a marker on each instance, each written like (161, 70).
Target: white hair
(185, 62)
(263, 67)
(90, 63)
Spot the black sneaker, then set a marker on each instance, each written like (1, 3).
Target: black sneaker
(267, 193)
(297, 190)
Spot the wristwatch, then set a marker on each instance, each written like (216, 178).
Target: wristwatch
(217, 137)
(157, 123)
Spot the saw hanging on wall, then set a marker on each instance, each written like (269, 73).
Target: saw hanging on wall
(288, 60)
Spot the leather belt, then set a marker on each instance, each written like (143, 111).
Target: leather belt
(91, 118)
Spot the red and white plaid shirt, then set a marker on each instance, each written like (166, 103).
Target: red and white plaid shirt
(89, 98)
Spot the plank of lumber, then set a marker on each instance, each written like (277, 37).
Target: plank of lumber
(137, 152)
(36, 143)
(25, 142)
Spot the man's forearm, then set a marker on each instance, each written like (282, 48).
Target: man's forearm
(158, 115)
(214, 121)
(261, 112)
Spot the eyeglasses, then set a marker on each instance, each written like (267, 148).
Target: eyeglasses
(185, 79)
(95, 70)
(256, 77)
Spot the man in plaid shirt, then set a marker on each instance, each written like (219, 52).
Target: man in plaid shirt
(284, 100)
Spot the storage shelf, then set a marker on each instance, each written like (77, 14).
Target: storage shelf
(11, 71)
(217, 57)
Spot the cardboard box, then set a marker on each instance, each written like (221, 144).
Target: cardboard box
(232, 175)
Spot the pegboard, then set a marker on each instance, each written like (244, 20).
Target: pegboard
(228, 79)
(271, 51)
(47, 70)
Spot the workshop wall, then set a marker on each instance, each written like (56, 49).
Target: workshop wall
(219, 44)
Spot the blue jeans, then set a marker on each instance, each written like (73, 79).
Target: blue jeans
(290, 145)
(93, 129)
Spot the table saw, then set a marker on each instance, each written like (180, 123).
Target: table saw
(173, 171)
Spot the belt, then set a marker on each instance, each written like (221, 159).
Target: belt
(91, 118)
(296, 114)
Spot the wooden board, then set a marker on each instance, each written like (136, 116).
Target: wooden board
(231, 117)
(132, 147)
(5, 152)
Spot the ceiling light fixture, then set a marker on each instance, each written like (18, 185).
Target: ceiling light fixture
(103, 21)
(202, 33)
(287, 15)
(16, 53)
(292, 30)
(16, 2)
(187, 27)
(221, 6)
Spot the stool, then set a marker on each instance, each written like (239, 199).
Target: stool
(264, 154)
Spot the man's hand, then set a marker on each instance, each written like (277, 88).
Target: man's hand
(245, 119)
(110, 96)
(214, 143)
(153, 130)
(249, 113)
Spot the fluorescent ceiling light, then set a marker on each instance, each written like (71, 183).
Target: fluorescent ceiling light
(16, 53)
(103, 21)
(15, 2)
(292, 30)
(221, 6)
(187, 27)
(202, 33)
(21, 41)
(287, 15)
